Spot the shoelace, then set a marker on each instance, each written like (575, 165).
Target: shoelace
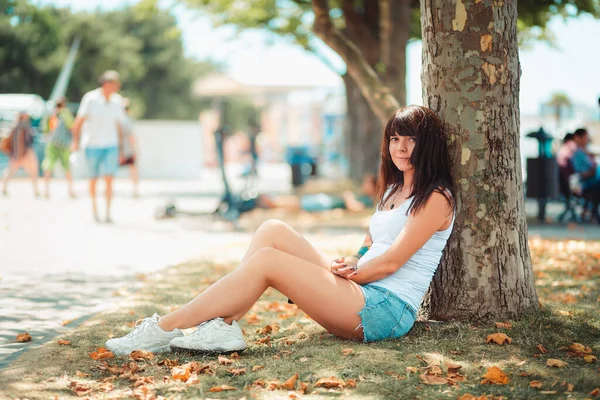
(140, 325)
(205, 325)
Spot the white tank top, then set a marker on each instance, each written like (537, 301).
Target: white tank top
(413, 278)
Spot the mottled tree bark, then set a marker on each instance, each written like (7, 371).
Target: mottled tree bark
(471, 77)
(362, 132)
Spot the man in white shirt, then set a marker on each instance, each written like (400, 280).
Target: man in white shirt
(98, 128)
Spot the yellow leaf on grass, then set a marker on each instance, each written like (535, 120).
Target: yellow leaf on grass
(535, 384)
(80, 374)
(468, 396)
(290, 384)
(504, 325)
(494, 375)
(63, 342)
(23, 337)
(498, 338)
(101, 353)
(412, 370)
(570, 387)
(224, 360)
(330, 383)
(553, 362)
(257, 368)
(180, 373)
(221, 388)
(590, 359)
(234, 356)
(347, 352)
(580, 348)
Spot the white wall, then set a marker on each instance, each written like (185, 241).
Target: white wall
(165, 150)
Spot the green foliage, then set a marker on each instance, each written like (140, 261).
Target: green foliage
(142, 42)
(292, 19)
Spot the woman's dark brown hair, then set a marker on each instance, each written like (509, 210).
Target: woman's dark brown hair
(429, 158)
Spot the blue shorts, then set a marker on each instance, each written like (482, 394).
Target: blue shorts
(385, 315)
(102, 161)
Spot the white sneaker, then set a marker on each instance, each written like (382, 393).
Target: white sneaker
(147, 335)
(214, 336)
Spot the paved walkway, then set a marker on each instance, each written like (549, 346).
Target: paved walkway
(57, 264)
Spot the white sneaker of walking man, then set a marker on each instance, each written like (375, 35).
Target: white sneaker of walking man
(147, 335)
(214, 336)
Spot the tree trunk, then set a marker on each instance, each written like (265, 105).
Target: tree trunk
(362, 132)
(471, 77)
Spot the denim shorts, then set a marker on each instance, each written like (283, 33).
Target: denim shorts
(385, 315)
(102, 161)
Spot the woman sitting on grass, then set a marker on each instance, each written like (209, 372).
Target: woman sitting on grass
(371, 296)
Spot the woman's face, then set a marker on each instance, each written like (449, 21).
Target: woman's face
(401, 148)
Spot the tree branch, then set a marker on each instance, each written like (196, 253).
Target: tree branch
(380, 98)
(385, 31)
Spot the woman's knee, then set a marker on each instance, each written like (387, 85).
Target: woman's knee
(273, 225)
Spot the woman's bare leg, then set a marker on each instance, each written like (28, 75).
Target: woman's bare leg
(278, 235)
(333, 302)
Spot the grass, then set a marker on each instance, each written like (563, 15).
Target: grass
(568, 283)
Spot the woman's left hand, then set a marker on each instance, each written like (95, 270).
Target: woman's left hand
(345, 271)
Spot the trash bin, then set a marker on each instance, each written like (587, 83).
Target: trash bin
(301, 164)
(542, 173)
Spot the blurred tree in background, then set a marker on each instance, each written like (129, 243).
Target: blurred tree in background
(142, 42)
(371, 38)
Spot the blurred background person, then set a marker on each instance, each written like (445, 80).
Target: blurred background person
(22, 154)
(584, 164)
(98, 127)
(58, 129)
(128, 147)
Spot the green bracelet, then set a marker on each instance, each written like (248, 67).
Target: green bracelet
(361, 252)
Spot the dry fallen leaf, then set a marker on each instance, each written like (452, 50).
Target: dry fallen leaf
(535, 384)
(433, 379)
(347, 352)
(351, 383)
(221, 388)
(80, 389)
(193, 380)
(80, 374)
(257, 368)
(101, 353)
(505, 325)
(413, 370)
(498, 338)
(494, 375)
(66, 322)
(234, 356)
(303, 359)
(553, 362)
(590, 359)
(396, 375)
(330, 383)
(570, 387)
(452, 367)
(237, 371)
(224, 360)
(290, 384)
(23, 337)
(141, 355)
(63, 342)
(595, 392)
(541, 348)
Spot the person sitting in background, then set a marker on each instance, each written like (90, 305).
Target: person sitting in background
(22, 154)
(58, 127)
(566, 150)
(324, 202)
(585, 167)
